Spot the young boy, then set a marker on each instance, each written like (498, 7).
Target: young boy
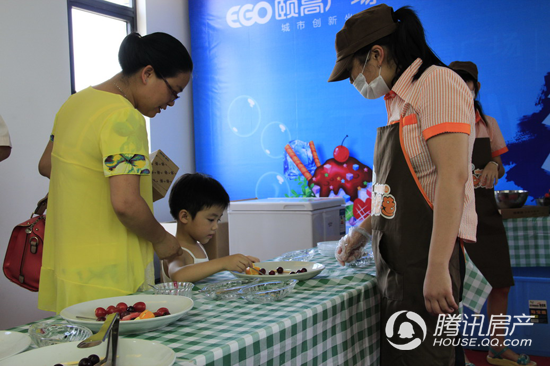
(197, 202)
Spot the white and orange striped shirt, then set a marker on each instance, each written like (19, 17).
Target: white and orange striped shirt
(438, 102)
(492, 131)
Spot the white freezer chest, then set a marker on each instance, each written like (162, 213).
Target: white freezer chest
(267, 228)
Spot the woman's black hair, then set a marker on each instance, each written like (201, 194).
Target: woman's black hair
(164, 53)
(406, 44)
(466, 76)
(195, 192)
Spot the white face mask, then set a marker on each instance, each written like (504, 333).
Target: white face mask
(373, 90)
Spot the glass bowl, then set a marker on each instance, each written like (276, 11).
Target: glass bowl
(227, 290)
(264, 292)
(46, 334)
(303, 255)
(174, 288)
(327, 248)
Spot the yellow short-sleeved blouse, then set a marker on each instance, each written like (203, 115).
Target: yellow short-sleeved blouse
(88, 253)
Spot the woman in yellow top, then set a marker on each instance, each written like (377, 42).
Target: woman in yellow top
(101, 232)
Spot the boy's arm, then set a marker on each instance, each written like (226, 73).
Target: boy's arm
(179, 272)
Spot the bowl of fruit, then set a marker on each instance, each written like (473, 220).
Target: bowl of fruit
(138, 313)
(130, 352)
(283, 270)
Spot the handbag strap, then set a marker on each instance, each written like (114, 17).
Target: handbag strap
(41, 206)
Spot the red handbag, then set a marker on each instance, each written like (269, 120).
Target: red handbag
(24, 255)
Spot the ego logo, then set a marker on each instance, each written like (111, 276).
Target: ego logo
(249, 14)
(406, 331)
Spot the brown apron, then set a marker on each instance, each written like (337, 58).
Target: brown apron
(490, 252)
(402, 222)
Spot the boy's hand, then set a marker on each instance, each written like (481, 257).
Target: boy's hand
(237, 262)
(253, 259)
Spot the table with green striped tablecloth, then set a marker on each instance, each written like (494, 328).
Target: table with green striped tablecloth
(529, 245)
(332, 319)
(529, 241)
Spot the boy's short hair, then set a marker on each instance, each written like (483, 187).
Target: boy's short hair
(194, 192)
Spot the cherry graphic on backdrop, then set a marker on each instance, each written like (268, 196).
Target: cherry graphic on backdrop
(341, 153)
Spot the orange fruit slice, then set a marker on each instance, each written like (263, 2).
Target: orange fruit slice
(147, 314)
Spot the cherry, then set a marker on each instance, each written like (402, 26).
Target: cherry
(304, 270)
(111, 309)
(94, 358)
(85, 362)
(140, 306)
(262, 270)
(341, 153)
(280, 270)
(100, 312)
(272, 272)
(164, 311)
(131, 309)
(121, 307)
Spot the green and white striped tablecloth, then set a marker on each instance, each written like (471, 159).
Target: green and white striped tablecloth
(332, 319)
(529, 240)
(529, 244)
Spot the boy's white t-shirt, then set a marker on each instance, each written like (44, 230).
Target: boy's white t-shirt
(166, 278)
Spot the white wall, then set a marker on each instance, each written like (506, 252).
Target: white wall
(34, 83)
(172, 131)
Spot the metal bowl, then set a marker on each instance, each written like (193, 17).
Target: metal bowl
(511, 199)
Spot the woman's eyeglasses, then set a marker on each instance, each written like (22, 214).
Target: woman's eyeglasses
(174, 93)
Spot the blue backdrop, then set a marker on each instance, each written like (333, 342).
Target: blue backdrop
(260, 83)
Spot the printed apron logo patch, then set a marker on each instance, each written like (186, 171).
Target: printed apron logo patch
(407, 336)
(383, 203)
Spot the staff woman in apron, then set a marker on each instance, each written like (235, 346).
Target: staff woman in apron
(490, 253)
(423, 201)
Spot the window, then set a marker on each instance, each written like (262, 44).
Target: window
(96, 29)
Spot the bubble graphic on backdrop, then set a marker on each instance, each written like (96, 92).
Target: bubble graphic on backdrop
(272, 184)
(274, 138)
(244, 116)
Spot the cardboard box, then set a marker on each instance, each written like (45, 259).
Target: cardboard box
(163, 173)
(525, 211)
(218, 246)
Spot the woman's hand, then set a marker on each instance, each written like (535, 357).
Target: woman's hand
(350, 247)
(168, 247)
(489, 176)
(438, 294)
